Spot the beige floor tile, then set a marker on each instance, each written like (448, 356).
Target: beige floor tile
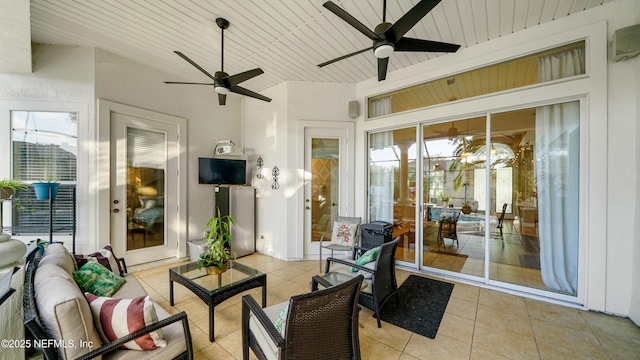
(463, 308)
(213, 352)
(406, 356)
(554, 352)
(466, 292)
(504, 343)
(578, 341)
(375, 350)
(287, 289)
(481, 354)
(389, 334)
(502, 301)
(232, 343)
(516, 323)
(563, 315)
(456, 327)
(442, 347)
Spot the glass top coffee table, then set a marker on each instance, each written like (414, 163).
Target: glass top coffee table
(214, 289)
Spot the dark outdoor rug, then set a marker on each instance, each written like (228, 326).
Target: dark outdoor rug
(422, 305)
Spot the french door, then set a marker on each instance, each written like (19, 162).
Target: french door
(143, 188)
(327, 171)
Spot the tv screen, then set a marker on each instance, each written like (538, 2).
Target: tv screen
(222, 171)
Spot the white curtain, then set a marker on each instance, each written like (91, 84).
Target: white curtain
(557, 153)
(382, 179)
(379, 107)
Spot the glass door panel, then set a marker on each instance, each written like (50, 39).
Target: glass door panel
(325, 184)
(392, 185)
(454, 190)
(535, 173)
(145, 182)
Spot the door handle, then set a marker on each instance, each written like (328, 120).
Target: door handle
(115, 211)
(307, 208)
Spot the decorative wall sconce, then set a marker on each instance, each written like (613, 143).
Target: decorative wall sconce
(259, 164)
(275, 172)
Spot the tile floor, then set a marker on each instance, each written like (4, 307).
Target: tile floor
(478, 323)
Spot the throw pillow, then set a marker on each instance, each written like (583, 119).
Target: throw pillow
(344, 233)
(97, 279)
(282, 318)
(367, 257)
(116, 318)
(105, 257)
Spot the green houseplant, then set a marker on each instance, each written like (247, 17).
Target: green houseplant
(8, 188)
(217, 253)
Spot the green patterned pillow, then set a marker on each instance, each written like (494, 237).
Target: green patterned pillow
(282, 318)
(367, 257)
(96, 279)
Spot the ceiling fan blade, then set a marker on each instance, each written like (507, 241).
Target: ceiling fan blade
(222, 99)
(187, 83)
(194, 64)
(411, 44)
(344, 57)
(242, 91)
(382, 68)
(342, 14)
(408, 20)
(244, 76)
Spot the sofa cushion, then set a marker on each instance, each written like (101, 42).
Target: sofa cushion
(116, 318)
(94, 278)
(64, 310)
(57, 254)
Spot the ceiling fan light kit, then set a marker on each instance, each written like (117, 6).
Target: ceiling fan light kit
(388, 37)
(223, 84)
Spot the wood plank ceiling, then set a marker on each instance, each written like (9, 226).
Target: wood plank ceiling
(286, 38)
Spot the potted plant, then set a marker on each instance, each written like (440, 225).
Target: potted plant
(445, 199)
(217, 253)
(8, 188)
(41, 188)
(466, 208)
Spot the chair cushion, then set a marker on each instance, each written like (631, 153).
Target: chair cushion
(344, 233)
(119, 317)
(369, 256)
(263, 339)
(94, 278)
(64, 310)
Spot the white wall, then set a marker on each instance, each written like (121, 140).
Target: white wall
(280, 212)
(634, 311)
(610, 175)
(125, 81)
(62, 80)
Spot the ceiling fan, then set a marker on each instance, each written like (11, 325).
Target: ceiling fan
(222, 82)
(388, 37)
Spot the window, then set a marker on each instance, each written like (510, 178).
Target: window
(510, 74)
(44, 146)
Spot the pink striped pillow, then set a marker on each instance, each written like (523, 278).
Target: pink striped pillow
(119, 317)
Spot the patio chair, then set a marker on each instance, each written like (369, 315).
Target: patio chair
(501, 221)
(318, 325)
(345, 236)
(379, 277)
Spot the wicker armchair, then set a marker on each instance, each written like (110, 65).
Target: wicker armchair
(380, 277)
(318, 325)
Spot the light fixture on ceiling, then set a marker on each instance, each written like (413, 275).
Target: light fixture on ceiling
(384, 50)
(222, 90)
(493, 150)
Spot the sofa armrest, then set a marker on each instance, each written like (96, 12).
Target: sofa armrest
(182, 316)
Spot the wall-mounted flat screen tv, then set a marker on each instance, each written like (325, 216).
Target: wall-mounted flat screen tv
(222, 171)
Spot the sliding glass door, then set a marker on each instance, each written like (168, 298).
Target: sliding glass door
(501, 206)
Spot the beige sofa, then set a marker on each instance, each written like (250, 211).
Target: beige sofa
(57, 312)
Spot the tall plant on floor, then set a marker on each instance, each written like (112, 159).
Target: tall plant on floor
(218, 251)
